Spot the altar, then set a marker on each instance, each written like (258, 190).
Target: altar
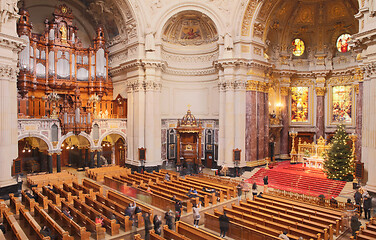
(311, 154)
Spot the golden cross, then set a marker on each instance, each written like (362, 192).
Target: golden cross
(189, 106)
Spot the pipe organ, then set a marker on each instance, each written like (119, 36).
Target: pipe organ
(59, 78)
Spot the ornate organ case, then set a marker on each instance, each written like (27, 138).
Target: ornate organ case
(59, 78)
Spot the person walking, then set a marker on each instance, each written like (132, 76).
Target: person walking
(147, 226)
(178, 206)
(196, 214)
(168, 218)
(223, 224)
(157, 224)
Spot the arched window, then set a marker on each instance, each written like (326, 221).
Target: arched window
(96, 132)
(343, 43)
(299, 47)
(171, 149)
(54, 133)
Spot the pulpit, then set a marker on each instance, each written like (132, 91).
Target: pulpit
(189, 133)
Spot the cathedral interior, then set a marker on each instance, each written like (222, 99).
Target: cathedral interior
(156, 83)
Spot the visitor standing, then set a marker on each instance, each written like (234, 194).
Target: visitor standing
(157, 224)
(147, 224)
(196, 214)
(254, 190)
(367, 205)
(223, 224)
(355, 225)
(266, 183)
(239, 189)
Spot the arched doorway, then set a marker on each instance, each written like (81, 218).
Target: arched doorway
(113, 149)
(75, 152)
(33, 155)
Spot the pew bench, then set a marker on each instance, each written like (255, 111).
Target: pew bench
(10, 223)
(30, 222)
(95, 186)
(42, 200)
(51, 195)
(85, 190)
(29, 202)
(14, 203)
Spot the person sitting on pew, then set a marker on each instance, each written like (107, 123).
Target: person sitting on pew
(333, 202)
(157, 224)
(173, 198)
(284, 236)
(30, 195)
(49, 186)
(67, 213)
(259, 195)
(136, 211)
(355, 225)
(46, 232)
(114, 217)
(100, 220)
(128, 212)
(2, 228)
(149, 190)
(167, 177)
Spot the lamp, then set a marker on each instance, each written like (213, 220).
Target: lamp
(293, 135)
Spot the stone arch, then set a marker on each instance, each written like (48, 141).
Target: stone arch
(36, 135)
(85, 135)
(123, 135)
(177, 8)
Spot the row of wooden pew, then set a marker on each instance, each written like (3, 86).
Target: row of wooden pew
(183, 231)
(267, 217)
(368, 232)
(40, 180)
(98, 174)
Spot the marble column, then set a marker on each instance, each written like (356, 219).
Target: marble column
(260, 125)
(229, 125)
(99, 162)
(58, 162)
(221, 131)
(10, 45)
(285, 121)
(240, 119)
(359, 116)
(251, 127)
(92, 153)
(266, 123)
(87, 159)
(113, 154)
(49, 163)
(320, 112)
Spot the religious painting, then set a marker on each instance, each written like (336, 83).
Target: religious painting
(299, 47)
(342, 103)
(190, 32)
(299, 104)
(343, 43)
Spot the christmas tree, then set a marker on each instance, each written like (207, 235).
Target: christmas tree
(338, 159)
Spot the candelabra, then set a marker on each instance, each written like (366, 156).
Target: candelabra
(53, 98)
(293, 135)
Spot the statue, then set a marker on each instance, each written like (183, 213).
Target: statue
(228, 43)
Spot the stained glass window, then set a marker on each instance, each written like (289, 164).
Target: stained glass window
(299, 104)
(342, 104)
(298, 47)
(343, 43)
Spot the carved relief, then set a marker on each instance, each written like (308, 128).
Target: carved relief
(285, 91)
(258, 30)
(9, 10)
(341, 80)
(320, 91)
(246, 24)
(257, 51)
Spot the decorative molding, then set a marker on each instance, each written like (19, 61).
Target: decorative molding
(246, 24)
(356, 87)
(9, 72)
(258, 86)
(191, 59)
(285, 91)
(302, 82)
(9, 11)
(341, 80)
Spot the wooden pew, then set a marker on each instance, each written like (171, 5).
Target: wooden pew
(118, 209)
(2, 237)
(51, 195)
(29, 202)
(304, 219)
(10, 222)
(73, 227)
(194, 233)
(200, 185)
(210, 196)
(74, 191)
(64, 194)
(85, 190)
(95, 186)
(47, 220)
(42, 200)
(336, 220)
(14, 203)
(110, 225)
(125, 201)
(277, 223)
(231, 191)
(238, 231)
(80, 218)
(30, 222)
(40, 180)
(172, 235)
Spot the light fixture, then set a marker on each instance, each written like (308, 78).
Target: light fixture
(27, 147)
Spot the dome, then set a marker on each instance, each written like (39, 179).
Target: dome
(190, 28)
(188, 120)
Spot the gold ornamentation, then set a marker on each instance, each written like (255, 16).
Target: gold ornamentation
(245, 48)
(285, 91)
(257, 51)
(341, 80)
(320, 91)
(302, 82)
(246, 24)
(356, 87)
(358, 75)
(54, 143)
(252, 85)
(63, 31)
(320, 80)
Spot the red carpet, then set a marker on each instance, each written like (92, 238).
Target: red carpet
(296, 178)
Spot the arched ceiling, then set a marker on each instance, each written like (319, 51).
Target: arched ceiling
(317, 22)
